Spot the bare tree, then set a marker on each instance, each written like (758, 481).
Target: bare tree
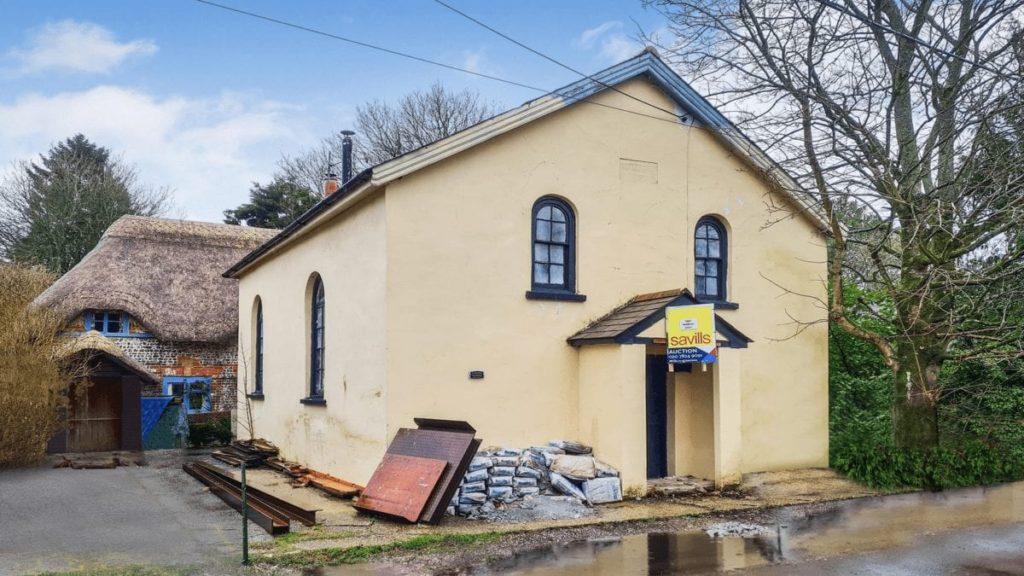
(888, 108)
(244, 422)
(385, 131)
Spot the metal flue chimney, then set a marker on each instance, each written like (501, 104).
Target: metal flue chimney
(346, 155)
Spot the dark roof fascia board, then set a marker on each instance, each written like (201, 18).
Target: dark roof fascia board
(346, 190)
(734, 337)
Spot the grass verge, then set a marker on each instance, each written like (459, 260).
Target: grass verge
(356, 554)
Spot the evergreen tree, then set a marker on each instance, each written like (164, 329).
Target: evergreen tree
(53, 212)
(273, 206)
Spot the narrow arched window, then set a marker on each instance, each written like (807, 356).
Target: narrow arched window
(316, 372)
(258, 384)
(709, 251)
(554, 246)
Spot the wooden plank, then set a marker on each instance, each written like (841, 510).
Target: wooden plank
(331, 485)
(401, 486)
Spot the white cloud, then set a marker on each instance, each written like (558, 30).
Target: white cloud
(70, 46)
(618, 47)
(473, 60)
(611, 45)
(208, 151)
(587, 38)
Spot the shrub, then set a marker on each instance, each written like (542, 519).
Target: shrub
(33, 376)
(886, 466)
(981, 423)
(209, 433)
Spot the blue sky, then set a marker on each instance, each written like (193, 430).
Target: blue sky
(205, 101)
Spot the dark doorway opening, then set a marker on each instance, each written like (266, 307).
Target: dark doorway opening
(657, 417)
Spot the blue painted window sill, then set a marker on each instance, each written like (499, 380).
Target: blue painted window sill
(313, 401)
(255, 396)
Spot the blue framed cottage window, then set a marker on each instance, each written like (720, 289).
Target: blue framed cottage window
(316, 341)
(194, 392)
(108, 322)
(710, 258)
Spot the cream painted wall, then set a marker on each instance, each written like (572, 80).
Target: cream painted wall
(459, 250)
(611, 415)
(431, 286)
(348, 435)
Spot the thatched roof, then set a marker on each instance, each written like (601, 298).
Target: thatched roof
(165, 273)
(93, 342)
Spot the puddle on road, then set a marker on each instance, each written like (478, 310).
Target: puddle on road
(852, 526)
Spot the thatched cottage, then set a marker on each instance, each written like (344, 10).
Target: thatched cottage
(153, 288)
(517, 275)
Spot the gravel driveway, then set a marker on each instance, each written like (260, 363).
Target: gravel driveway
(63, 519)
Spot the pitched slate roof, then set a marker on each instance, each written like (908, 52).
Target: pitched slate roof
(647, 64)
(94, 343)
(165, 273)
(623, 324)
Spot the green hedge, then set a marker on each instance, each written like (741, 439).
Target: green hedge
(212, 433)
(886, 466)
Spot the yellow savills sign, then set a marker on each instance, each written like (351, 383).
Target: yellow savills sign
(691, 334)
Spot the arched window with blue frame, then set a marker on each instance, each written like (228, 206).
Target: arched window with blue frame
(316, 338)
(710, 258)
(554, 246)
(258, 353)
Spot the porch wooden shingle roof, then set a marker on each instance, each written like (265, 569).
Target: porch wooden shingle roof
(623, 324)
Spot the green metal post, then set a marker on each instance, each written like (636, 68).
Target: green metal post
(245, 521)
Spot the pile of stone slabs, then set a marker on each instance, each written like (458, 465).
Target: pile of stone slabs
(404, 484)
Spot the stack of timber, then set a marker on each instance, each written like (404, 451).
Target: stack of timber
(302, 476)
(269, 512)
(253, 452)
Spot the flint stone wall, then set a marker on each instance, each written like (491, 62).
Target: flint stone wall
(217, 361)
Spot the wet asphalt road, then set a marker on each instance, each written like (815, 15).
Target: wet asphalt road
(988, 551)
(975, 532)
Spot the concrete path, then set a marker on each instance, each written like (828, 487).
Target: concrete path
(64, 519)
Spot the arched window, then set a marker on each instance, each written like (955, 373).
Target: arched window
(554, 246)
(258, 384)
(316, 339)
(709, 258)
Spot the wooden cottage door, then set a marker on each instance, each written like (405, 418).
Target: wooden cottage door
(94, 423)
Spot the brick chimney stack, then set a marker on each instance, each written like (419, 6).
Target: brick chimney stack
(330, 182)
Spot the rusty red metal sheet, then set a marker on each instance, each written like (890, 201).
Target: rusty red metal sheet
(453, 443)
(401, 486)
